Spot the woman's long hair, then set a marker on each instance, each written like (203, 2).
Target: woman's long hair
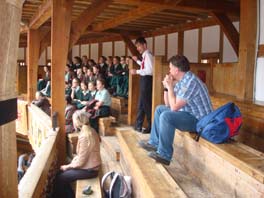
(81, 121)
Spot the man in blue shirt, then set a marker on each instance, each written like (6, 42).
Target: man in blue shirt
(186, 101)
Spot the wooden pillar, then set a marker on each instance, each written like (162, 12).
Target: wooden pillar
(10, 16)
(133, 95)
(180, 42)
(33, 43)
(60, 32)
(100, 50)
(247, 49)
(157, 89)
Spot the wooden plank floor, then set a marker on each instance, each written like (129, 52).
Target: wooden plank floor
(149, 178)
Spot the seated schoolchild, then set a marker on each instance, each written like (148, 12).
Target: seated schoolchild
(115, 73)
(42, 102)
(122, 85)
(85, 96)
(69, 110)
(102, 106)
(89, 76)
(85, 164)
(43, 82)
(80, 74)
(76, 93)
(24, 161)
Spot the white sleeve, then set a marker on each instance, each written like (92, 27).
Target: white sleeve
(139, 62)
(148, 64)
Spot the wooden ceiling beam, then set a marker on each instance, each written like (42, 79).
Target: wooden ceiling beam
(181, 27)
(130, 45)
(41, 16)
(192, 5)
(229, 29)
(143, 10)
(86, 18)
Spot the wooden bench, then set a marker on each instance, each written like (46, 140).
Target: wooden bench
(230, 170)
(149, 179)
(94, 183)
(252, 130)
(105, 128)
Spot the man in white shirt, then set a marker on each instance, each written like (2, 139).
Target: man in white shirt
(145, 72)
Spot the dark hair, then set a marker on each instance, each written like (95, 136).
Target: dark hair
(104, 58)
(181, 62)
(117, 58)
(78, 59)
(93, 82)
(68, 99)
(141, 40)
(77, 79)
(85, 83)
(102, 80)
(84, 56)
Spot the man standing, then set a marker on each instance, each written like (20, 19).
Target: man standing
(186, 101)
(145, 96)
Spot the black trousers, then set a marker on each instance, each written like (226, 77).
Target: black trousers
(62, 186)
(145, 102)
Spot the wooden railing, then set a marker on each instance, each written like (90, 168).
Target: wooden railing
(38, 180)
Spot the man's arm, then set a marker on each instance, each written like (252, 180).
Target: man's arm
(174, 102)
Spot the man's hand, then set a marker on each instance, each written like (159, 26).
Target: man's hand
(168, 81)
(133, 71)
(135, 58)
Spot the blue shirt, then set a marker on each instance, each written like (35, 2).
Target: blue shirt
(103, 96)
(191, 89)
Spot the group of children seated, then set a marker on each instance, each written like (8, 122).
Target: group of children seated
(88, 87)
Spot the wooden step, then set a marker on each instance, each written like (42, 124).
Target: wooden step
(149, 179)
(94, 183)
(111, 144)
(105, 128)
(230, 170)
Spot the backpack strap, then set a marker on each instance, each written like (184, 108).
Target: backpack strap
(198, 135)
(110, 173)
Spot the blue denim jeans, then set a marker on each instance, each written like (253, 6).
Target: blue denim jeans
(163, 129)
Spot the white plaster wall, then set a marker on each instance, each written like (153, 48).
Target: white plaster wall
(75, 51)
(42, 59)
(85, 50)
(172, 44)
(190, 50)
(210, 39)
(119, 48)
(21, 53)
(259, 91)
(150, 44)
(94, 51)
(107, 49)
(159, 45)
(229, 54)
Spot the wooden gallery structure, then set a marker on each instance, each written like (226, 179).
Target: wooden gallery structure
(224, 41)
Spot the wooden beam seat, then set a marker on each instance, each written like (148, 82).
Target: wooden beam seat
(105, 128)
(231, 169)
(111, 144)
(149, 179)
(94, 183)
(119, 105)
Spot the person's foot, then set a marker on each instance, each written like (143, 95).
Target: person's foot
(158, 158)
(138, 129)
(145, 145)
(147, 130)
